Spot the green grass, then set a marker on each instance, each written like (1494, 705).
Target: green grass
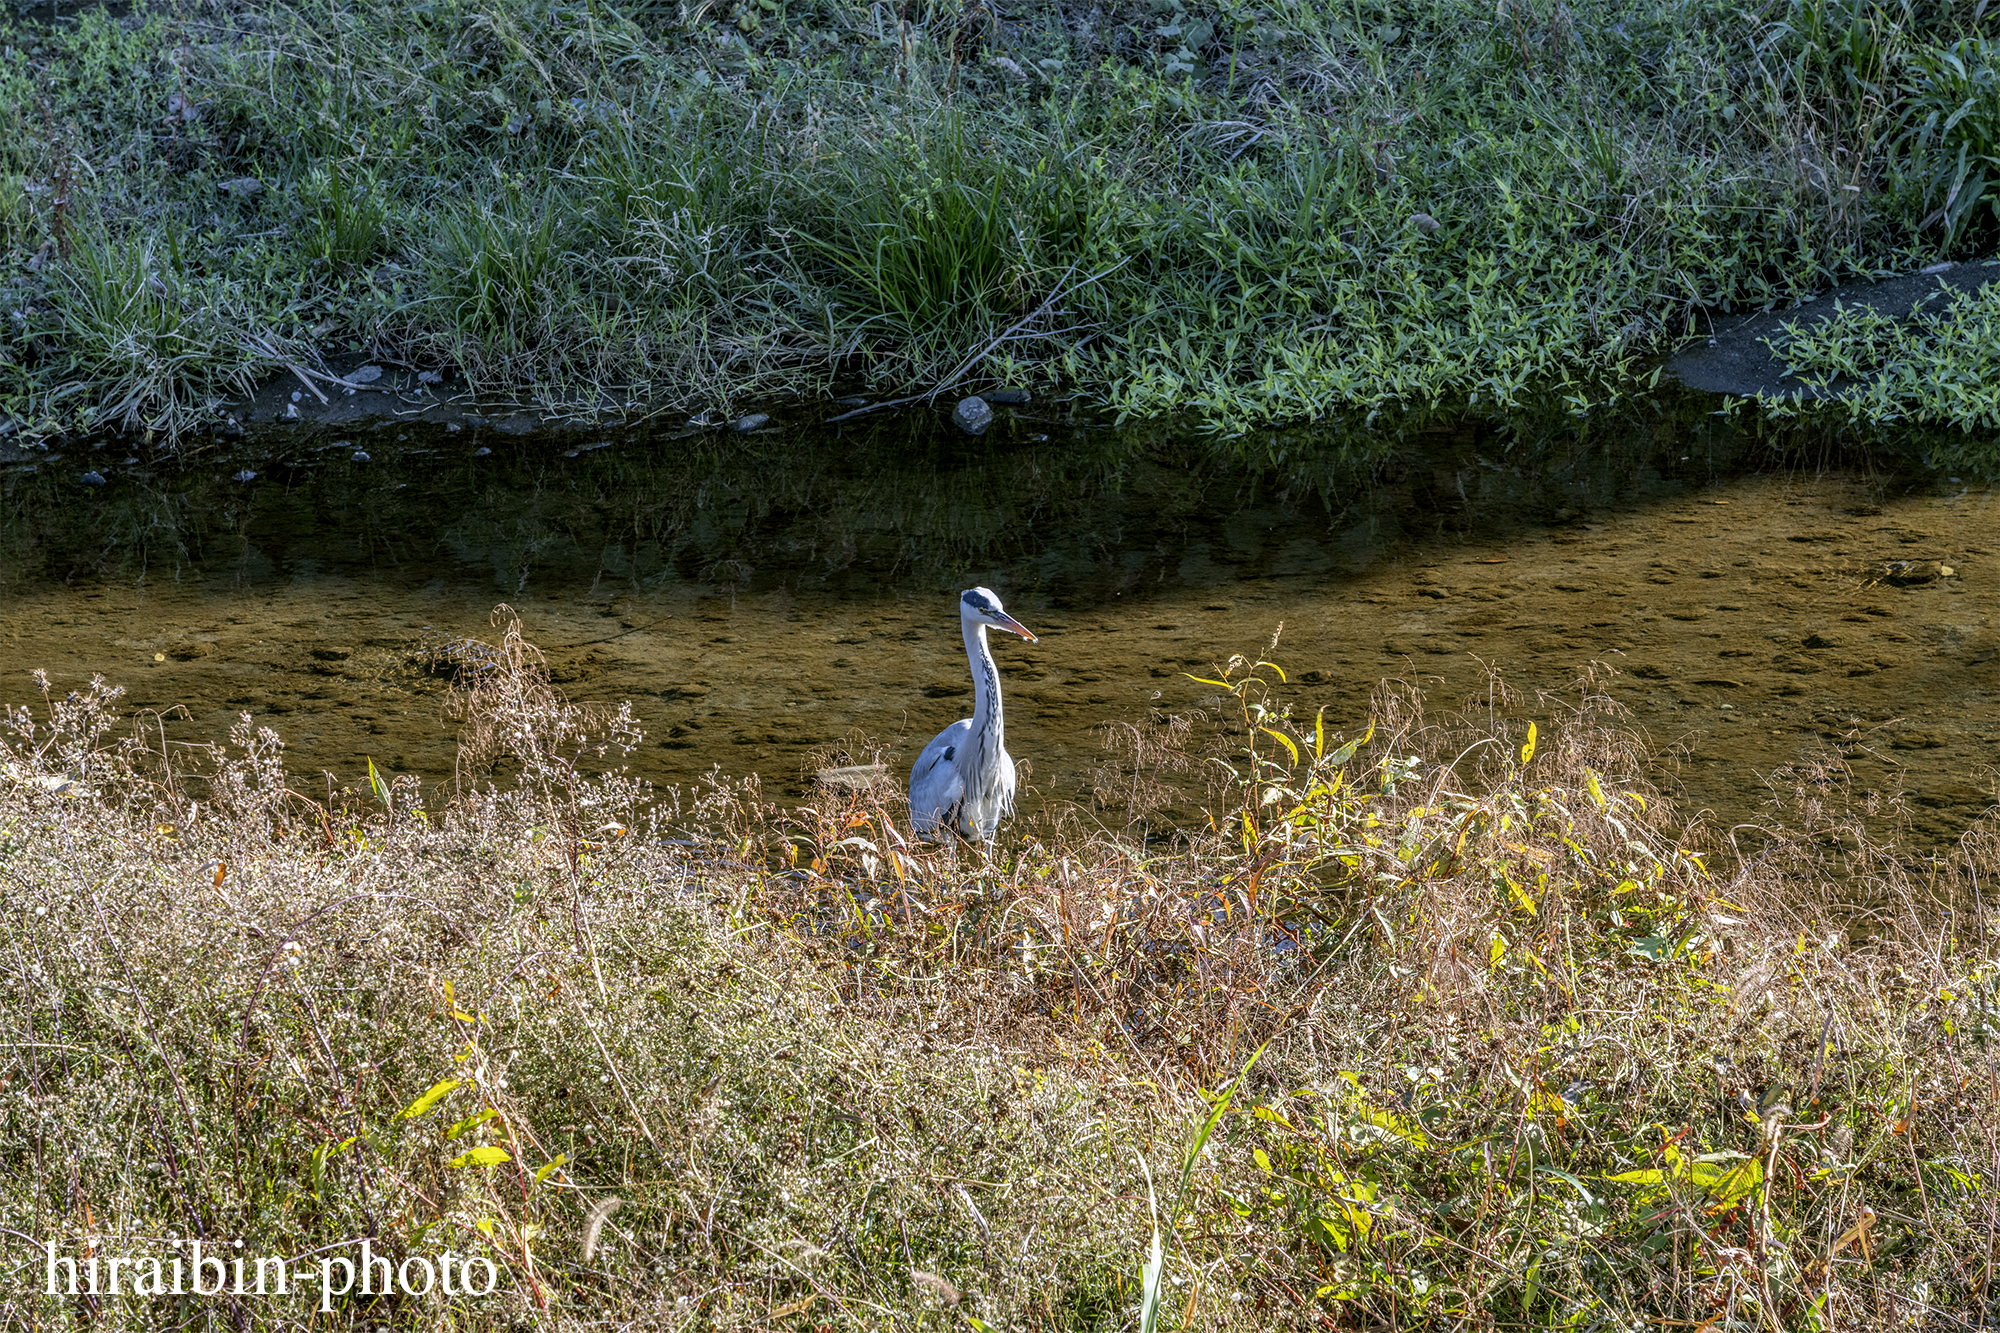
(1181, 207)
(1438, 1022)
(1945, 358)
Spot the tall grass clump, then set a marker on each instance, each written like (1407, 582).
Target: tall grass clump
(148, 346)
(1430, 1021)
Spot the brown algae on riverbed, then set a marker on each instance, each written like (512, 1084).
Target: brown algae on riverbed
(1757, 624)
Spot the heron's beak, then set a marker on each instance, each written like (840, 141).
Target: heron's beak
(1007, 622)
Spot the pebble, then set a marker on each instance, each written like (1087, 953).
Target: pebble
(92, 479)
(430, 377)
(361, 455)
(481, 452)
(1009, 396)
(245, 475)
(744, 425)
(243, 187)
(296, 395)
(364, 375)
(972, 415)
(1425, 223)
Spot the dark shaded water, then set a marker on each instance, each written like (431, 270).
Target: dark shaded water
(760, 597)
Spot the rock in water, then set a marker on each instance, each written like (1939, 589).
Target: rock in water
(744, 425)
(92, 479)
(972, 415)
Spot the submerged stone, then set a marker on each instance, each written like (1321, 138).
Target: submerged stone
(972, 415)
(744, 425)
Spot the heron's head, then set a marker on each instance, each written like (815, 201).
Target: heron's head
(979, 606)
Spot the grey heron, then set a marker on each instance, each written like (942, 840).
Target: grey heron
(963, 780)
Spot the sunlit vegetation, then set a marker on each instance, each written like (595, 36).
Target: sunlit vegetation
(1436, 1021)
(1249, 210)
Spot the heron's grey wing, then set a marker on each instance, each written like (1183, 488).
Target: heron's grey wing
(937, 787)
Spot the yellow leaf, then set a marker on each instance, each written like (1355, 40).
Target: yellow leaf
(1283, 740)
(1729, 1185)
(469, 1122)
(490, 1155)
(1528, 750)
(432, 1096)
(1496, 951)
(546, 1171)
(1596, 792)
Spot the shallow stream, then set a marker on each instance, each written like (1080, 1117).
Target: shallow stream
(759, 598)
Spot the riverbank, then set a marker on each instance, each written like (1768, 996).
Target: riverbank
(1247, 212)
(1435, 1022)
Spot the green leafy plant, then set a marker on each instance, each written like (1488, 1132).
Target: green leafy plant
(1941, 364)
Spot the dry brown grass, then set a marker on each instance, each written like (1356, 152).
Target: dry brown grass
(1474, 1028)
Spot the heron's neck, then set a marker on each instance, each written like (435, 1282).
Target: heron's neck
(985, 683)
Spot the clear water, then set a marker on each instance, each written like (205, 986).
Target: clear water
(761, 599)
